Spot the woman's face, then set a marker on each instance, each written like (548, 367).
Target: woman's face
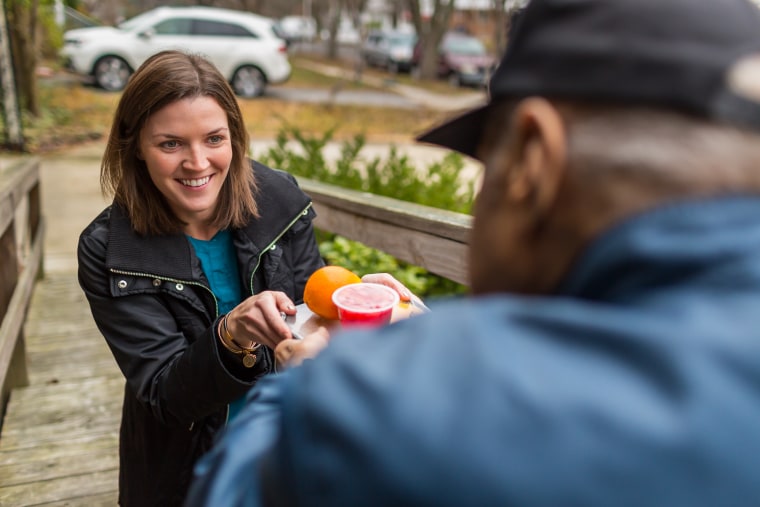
(186, 147)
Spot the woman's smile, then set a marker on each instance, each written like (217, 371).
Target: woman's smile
(195, 183)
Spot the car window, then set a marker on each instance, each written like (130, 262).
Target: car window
(402, 40)
(174, 26)
(218, 28)
(464, 46)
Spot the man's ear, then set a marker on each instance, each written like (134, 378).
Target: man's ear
(538, 154)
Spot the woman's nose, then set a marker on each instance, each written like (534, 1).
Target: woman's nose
(196, 158)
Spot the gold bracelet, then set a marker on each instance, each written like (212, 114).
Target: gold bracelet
(249, 358)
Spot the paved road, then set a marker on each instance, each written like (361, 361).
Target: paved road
(342, 97)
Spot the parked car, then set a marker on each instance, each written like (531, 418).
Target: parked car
(463, 60)
(298, 28)
(390, 50)
(346, 34)
(242, 45)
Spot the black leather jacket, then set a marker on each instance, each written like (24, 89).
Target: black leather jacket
(153, 305)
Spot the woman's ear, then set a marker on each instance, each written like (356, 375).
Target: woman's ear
(538, 154)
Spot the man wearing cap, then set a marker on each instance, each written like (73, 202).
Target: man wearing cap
(610, 353)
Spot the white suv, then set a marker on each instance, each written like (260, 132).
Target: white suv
(242, 45)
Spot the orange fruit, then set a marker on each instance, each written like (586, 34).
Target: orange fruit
(317, 294)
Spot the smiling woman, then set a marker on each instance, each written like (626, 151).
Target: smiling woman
(187, 273)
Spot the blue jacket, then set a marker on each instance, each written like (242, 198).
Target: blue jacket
(636, 384)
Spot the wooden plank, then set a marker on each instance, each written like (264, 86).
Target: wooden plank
(55, 371)
(66, 398)
(411, 216)
(442, 256)
(101, 442)
(73, 427)
(104, 500)
(16, 181)
(19, 177)
(7, 214)
(61, 489)
(16, 313)
(57, 343)
(51, 467)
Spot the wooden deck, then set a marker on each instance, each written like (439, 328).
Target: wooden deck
(59, 443)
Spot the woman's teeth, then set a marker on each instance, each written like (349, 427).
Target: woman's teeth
(196, 182)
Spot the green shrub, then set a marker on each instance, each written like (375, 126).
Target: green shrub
(439, 185)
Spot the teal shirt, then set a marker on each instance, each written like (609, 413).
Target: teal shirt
(219, 263)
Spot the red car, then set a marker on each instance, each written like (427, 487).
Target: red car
(463, 60)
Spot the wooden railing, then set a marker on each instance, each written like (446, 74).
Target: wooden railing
(432, 238)
(21, 242)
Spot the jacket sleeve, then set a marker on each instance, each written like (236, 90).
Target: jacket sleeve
(237, 457)
(181, 381)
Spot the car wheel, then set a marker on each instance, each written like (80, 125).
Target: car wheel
(248, 82)
(454, 80)
(112, 73)
(393, 67)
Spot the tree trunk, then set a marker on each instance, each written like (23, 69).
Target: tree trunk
(14, 136)
(336, 9)
(430, 33)
(501, 25)
(22, 28)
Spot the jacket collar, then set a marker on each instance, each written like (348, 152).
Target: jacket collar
(679, 246)
(279, 201)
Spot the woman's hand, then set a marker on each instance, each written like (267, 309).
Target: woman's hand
(292, 352)
(386, 279)
(258, 319)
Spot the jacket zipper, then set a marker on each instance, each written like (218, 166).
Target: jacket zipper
(275, 240)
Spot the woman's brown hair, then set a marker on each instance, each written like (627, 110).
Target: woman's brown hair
(164, 78)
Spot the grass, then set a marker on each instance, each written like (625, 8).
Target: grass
(439, 86)
(75, 113)
(305, 78)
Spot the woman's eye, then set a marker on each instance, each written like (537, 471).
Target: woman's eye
(215, 139)
(169, 144)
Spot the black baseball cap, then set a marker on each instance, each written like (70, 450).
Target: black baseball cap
(697, 56)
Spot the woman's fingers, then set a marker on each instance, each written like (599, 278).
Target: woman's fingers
(259, 319)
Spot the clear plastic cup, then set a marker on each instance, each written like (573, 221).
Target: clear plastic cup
(365, 304)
